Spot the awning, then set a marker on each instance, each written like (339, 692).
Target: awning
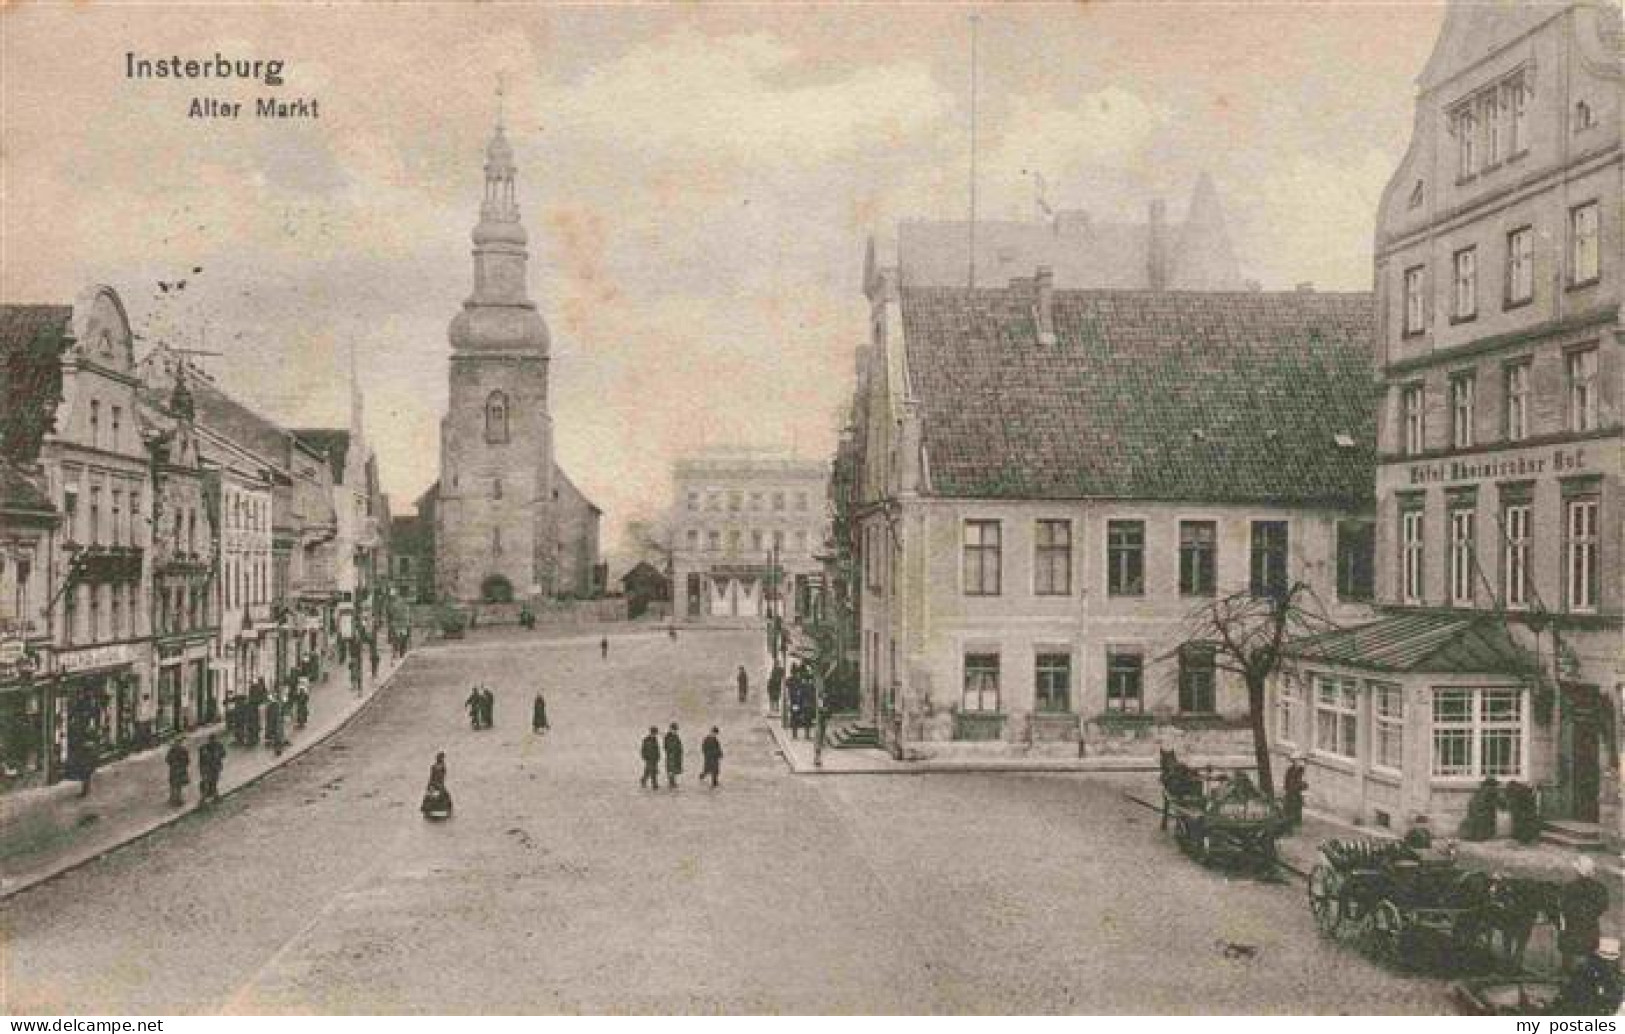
(1477, 644)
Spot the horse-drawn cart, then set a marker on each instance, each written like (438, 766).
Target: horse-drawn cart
(1233, 822)
(1395, 900)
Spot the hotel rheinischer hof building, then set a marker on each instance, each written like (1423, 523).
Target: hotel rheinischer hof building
(1498, 270)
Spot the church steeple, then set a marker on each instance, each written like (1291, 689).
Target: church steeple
(499, 315)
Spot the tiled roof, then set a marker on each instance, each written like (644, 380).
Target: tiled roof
(19, 324)
(1218, 397)
(333, 442)
(1468, 644)
(225, 416)
(22, 496)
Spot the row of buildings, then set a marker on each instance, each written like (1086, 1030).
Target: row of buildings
(162, 546)
(1052, 482)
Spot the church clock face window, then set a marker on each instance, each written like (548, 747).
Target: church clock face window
(496, 418)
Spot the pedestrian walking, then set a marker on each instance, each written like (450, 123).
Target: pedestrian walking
(744, 683)
(775, 686)
(603, 648)
(650, 752)
(538, 714)
(301, 702)
(674, 757)
(1292, 789)
(275, 738)
(475, 706)
(1584, 900)
(711, 753)
(211, 760)
(372, 655)
(179, 762)
(488, 705)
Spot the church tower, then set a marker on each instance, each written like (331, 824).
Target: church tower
(495, 537)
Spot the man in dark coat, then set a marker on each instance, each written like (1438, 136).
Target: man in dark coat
(372, 654)
(1292, 789)
(211, 759)
(488, 706)
(711, 752)
(475, 706)
(744, 683)
(650, 752)
(179, 761)
(674, 757)
(603, 648)
(1585, 899)
(775, 684)
(538, 714)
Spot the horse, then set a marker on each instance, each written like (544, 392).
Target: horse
(1180, 782)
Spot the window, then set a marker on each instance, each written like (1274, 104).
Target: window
(115, 529)
(116, 612)
(1515, 553)
(736, 500)
(1516, 376)
(70, 614)
(1583, 117)
(1582, 378)
(1415, 300)
(778, 502)
(1336, 715)
(1052, 559)
(981, 682)
(1467, 142)
(95, 594)
(801, 501)
(117, 423)
(1125, 671)
(1196, 679)
(1411, 545)
(713, 501)
(1580, 553)
(95, 424)
(1494, 132)
(733, 541)
(1269, 568)
(1053, 686)
(756, 541)
(496, 488)
(1286, 710)
(1356, 551)
(496, 541)
(1462, 393)
(1478, 733)
(713, 540)
(1387, 727)
(1462, 562)
(95, 515)
(1412, 402)
(693, 538)
(1584, 256)
(1517, 131)
(496, 418)
(778, 540)
(1125, 558)
(1466, 293)
(1520, 286)
(1198, 542)
(982, 558)
(756, 500)
(801, 542)
(693, 500)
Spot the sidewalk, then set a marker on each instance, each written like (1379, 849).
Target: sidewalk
(49, 830)
(798, 754)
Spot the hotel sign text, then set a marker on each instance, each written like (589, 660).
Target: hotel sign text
(1524, 465)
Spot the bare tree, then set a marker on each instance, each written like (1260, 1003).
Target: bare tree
(1248, 636)
(651, 540)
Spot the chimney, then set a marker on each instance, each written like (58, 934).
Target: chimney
(1044, 305)
(1157, 248)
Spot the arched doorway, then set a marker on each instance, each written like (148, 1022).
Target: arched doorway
(496, 589)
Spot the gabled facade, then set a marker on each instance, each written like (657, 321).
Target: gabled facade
(1498, 276)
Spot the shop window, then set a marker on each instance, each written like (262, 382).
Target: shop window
(1053, 682)
(1478, 733)
(1125, 680)
(1336, 715)
(981, 682)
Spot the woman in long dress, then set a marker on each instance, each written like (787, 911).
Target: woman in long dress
(538, 714)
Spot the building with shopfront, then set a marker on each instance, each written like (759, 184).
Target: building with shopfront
(1052, 486)
(748, 525)
(1499, 533)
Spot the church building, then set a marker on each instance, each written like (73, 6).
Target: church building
(509, 525)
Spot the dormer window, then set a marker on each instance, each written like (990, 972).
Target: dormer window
(496, 418)
(1416, 195)
(1583, 118)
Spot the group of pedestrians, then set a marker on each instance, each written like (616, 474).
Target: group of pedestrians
(671, 747)
(211, 761)
(481, 706)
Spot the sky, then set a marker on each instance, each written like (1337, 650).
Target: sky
(698, 184)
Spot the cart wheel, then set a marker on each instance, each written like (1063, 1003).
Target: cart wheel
(1388, 932)
(1323, 899)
